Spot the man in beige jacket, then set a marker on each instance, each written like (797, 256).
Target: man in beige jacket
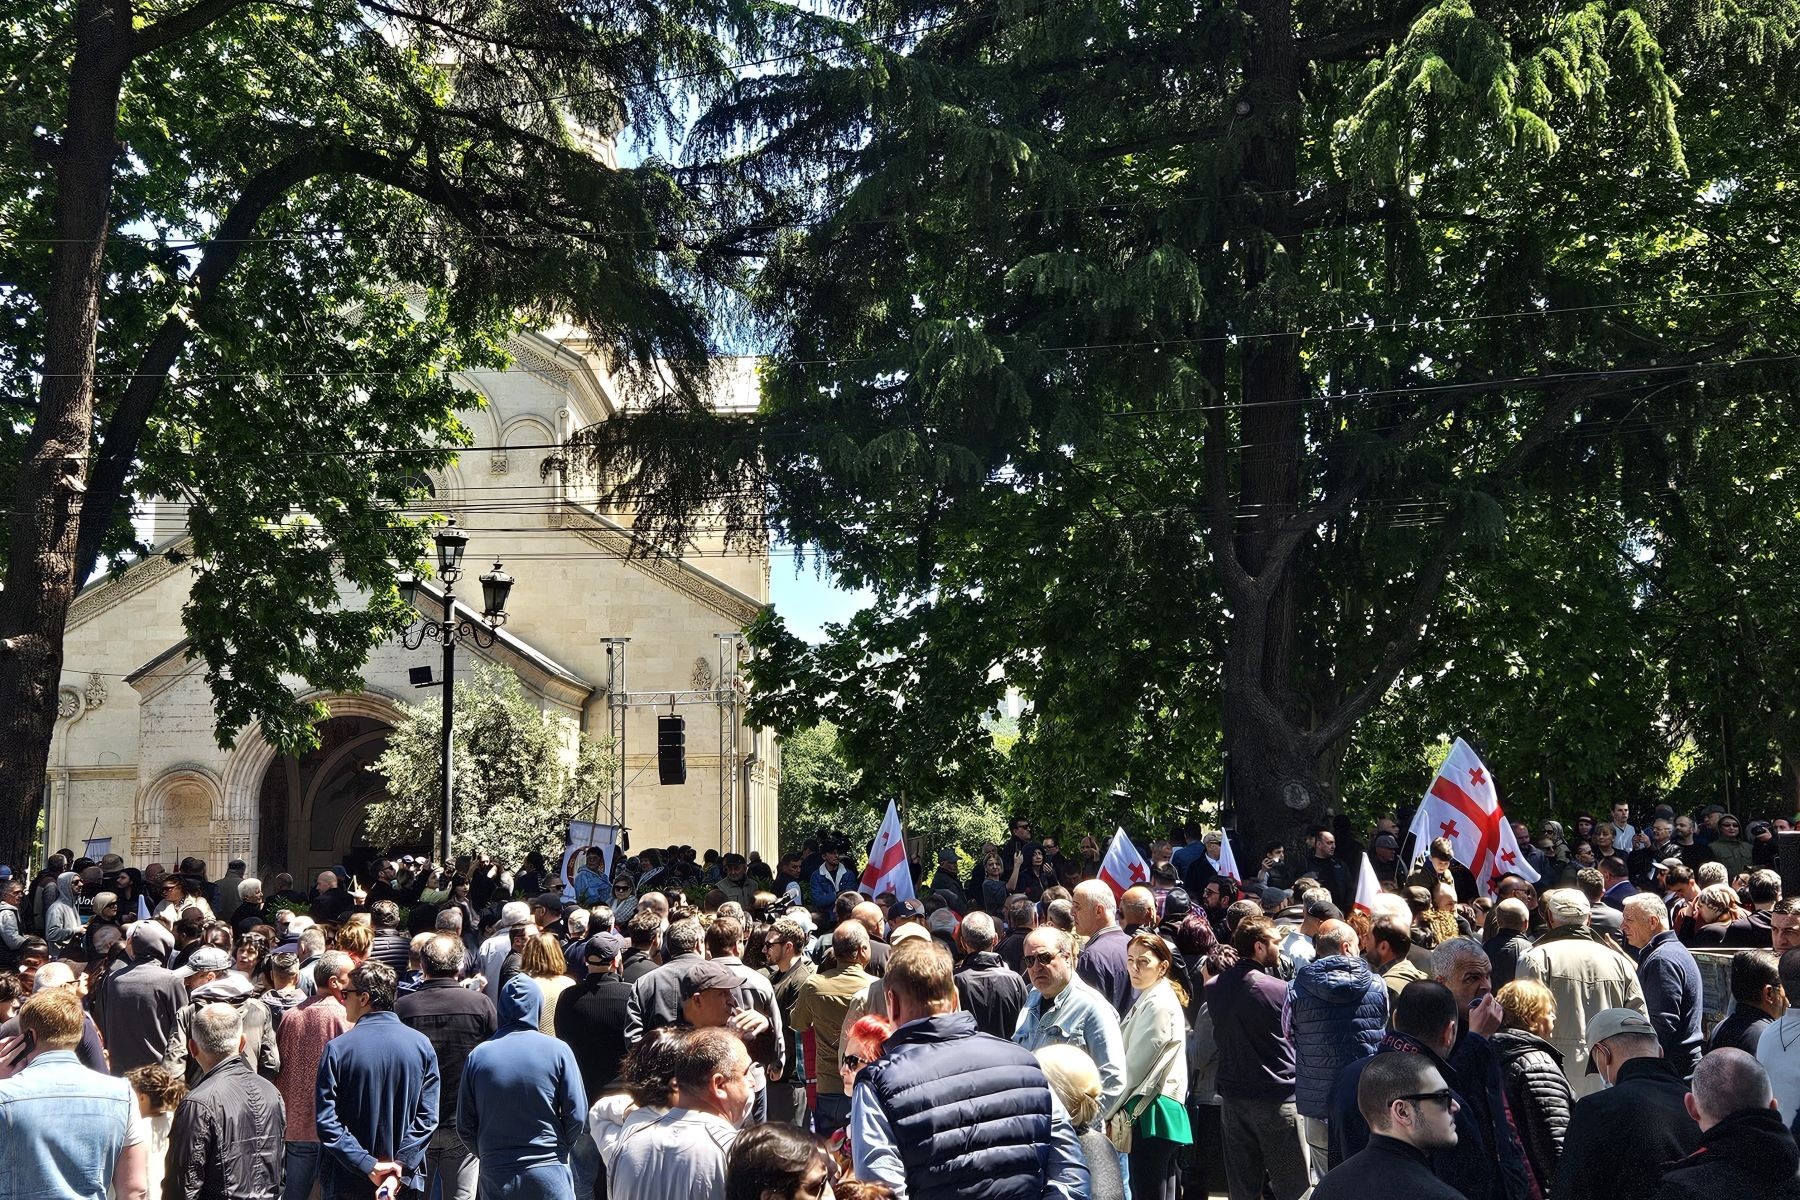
(1585, 973)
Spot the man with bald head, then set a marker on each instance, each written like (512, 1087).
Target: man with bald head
(986, 987)
(870, 915)
(1102, 963)
(1745, 1146)
(1509, 940)
(1137, 910)
(820, 1005)
(1336, 1013)
(333, 902)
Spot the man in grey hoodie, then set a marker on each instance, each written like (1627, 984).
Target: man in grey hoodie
(12, 934)
(62, 920)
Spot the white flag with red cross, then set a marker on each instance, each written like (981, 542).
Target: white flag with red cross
(1123, 867)
(1368, 886)
(888, 870)
(1228, 861)
(1463, 807)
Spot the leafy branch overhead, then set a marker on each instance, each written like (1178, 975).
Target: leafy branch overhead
(248, 244)
(1225, 381)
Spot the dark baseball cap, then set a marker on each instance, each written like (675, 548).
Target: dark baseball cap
(705, 977)
(550, 902)
(1324, 910)
(1386, 841)
(604, 946)
(908, 908)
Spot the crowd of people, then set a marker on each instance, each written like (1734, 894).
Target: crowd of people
(719, 1027)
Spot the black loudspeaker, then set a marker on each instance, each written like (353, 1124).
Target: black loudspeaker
(1787, 861)
(671, 749)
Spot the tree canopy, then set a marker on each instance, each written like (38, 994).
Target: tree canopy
(1238, 381)
(247, 243)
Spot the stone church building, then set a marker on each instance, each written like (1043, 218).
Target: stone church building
(135, 757)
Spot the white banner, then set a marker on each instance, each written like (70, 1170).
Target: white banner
(888, 870)
(583, 834)
(1123, 867)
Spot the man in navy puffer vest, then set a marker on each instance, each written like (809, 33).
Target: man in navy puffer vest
(1336, 1013)
(951, 1113)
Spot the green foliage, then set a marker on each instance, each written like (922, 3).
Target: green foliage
(821, 790)
(520, 774)
(1305, 384)
(318, 214)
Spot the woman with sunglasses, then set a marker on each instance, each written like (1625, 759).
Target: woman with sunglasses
(1151, 1121)
(863, 1043)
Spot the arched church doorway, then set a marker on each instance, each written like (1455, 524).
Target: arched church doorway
(313, 805)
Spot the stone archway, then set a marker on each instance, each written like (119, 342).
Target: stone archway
(183, 813)
(271, 797)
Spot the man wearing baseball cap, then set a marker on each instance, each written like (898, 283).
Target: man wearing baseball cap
(590, 1016)
(706, 1003)
(1618, 1139)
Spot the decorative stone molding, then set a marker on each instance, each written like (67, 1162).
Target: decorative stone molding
(702, 678)
(497, 464)
(142, 574)
(95, 693)
(69, 704)
(541, 365)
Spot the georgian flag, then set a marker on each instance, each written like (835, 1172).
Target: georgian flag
(1228, 861)
(887, 870)
(1123, 867)
(1367, 886)
(1464, 807)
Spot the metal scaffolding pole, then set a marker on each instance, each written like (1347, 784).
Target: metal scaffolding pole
(727, 683)
(726, 696)
(615, 726)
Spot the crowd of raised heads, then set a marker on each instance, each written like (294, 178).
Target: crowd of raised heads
(674, 1025)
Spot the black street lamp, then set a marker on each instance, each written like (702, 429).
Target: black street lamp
(496, 586)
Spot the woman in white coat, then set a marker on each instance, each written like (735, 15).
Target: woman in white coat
(1151, 1121)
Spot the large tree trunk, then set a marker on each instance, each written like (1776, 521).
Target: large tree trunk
(1279, 788)
(47, 501)
(1277, 779)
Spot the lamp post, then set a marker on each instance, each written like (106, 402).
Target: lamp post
(450, 632)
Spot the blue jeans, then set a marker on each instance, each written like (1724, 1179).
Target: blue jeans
(585, 1167)
(302, 1170)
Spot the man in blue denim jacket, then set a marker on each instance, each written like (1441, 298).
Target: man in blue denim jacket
(63, 1126)
(1061, 1010)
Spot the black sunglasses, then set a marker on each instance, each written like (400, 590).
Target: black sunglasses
(852, 1062)
(1042, 960)
(1446, 1097)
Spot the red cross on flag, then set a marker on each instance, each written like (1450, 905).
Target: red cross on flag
(1123, 866)
(1368, 886)
(887, 870)
(1463, 806)
(1228, 861)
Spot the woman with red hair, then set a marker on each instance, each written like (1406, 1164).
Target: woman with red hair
(864, 1041)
